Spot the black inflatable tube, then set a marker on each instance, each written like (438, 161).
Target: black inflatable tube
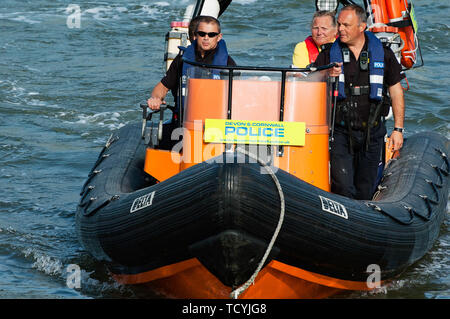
(224, 214)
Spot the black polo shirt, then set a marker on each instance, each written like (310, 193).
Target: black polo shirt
(353, 74)
(170, 80)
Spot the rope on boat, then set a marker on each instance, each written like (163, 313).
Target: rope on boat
(237, 292)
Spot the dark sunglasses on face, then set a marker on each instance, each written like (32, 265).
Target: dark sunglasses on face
(210, 34)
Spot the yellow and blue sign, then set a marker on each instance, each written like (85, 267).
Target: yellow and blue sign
(254, 132)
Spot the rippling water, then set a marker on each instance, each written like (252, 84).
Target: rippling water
(64, 90)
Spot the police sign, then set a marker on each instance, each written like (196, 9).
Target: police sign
(254, 132)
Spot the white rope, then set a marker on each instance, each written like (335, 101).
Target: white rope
(237, 292)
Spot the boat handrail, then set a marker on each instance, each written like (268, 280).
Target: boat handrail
(231, 72)
(259, 68)
(231, 69)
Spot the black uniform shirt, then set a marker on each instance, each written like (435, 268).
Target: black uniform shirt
(170, 80)
(392, 74)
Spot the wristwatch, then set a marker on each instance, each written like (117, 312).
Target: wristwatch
(399, 129)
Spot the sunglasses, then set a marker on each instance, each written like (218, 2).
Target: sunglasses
(210, 34)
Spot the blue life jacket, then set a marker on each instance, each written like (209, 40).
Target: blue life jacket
(220, 58)
(376, 66)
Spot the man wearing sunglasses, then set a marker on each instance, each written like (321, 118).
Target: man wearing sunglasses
(208, 47)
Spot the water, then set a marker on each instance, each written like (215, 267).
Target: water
(63, 91)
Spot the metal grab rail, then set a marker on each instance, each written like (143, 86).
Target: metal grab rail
(232, 69)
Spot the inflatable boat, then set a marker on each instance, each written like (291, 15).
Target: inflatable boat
(244, 197)
(234, 201)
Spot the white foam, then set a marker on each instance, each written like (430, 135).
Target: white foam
(162, 4)
(35, 102)
(99, 287)
(97, 10)
(102, 13)
(46, 264)
(13, 88)
(110, 120)
(107, 12)
(121, 9)
(54, 267)
(148, 10)
(82, 121)
(22, 18)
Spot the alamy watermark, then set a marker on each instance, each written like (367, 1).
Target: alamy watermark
(374, 279)
(191, 149)
(73, 280)
(73, 21)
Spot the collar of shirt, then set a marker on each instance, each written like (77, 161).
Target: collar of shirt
(365, 48)
(208, 58)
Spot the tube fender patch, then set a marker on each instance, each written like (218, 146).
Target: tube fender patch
(142, 202)
(333, 207)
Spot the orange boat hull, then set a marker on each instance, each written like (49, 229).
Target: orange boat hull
(191, 280)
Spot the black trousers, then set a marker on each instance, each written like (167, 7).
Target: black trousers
(354, 172)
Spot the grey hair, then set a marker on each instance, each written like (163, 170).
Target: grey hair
(324, 13)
